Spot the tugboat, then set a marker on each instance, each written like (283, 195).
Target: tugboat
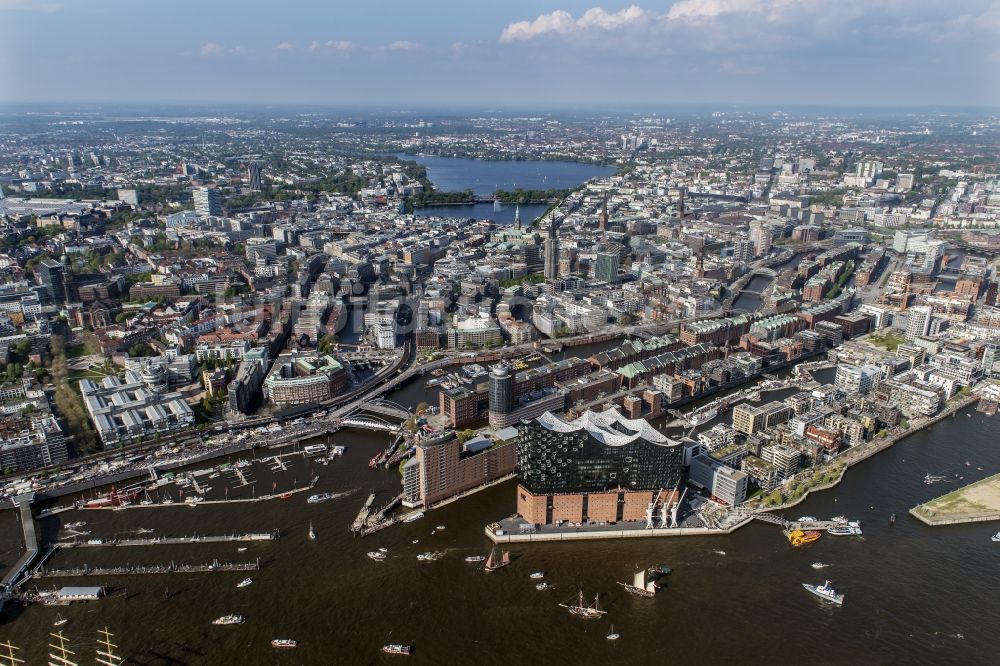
(493, 562)
(397, 649)
(640, 586)
(228, 619)
(591, 612)
(284, 643)
(826, 592)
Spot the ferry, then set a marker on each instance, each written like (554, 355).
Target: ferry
(826, 592)
(246, 582)
(316, 499)
(413, 516)
(397, 649)
(376, 555)
(852, 528)
(474, 559)
(228, 619)
(314, 449)
(436, 381)
(802, 537)
(284, 643)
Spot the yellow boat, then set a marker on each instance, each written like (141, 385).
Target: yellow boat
(802, 537)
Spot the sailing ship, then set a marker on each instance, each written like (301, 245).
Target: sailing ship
(613, 635)
(641, 586)
(312, 532)
(591, 612)
(60, 655)
(59, 621)
(493, 562)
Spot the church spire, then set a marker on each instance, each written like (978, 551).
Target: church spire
(517, 217)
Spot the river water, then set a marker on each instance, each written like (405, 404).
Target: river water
(911, 590)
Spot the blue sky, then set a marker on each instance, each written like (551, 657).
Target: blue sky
(513, 53)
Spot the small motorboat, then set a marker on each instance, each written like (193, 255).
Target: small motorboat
(541, 587)
(284, 643)
(241, 549)
(819, 565)
(996, 537)
(246, 582)
(375, 555)
(397, 649)
(474, 559)
(537, 575)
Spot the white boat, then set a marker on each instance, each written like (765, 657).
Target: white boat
(613, 635)
(819, 565)
(321, 497)
(537, 575)
(246, 582)
(852, 528)
(194, 499)
(241, 549)
(59, 621)
(383, 550)
(719, 552)
(806, 519)
(541, 587)
(312, 532)
(228, 619)
(473, 559)
(996, 537)
(284, 643)
(825, 592)
(439, 527)
(73, 526)
(397, 649)
(413, 516)
(375, 555)
(314, 449)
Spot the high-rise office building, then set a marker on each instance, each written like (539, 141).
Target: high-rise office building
(608, 262)
(743, 251)
(762, 236)
(501, 389)
(254, 177)
(918, 322)
(57, 280)
(552, 250)
(207, 201)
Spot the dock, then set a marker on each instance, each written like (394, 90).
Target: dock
(359, 521)
(132, 570)
(975, 503)
(17, 573)
(167, 541)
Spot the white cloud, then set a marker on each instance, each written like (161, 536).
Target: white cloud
(285, 46)
(403, 45)
(562, 22)
(212, 49)
(699, 10)
(341, 45)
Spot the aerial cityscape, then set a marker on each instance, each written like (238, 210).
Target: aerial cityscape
(300, 369)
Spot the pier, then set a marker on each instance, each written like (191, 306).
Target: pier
(133, 570)
(975, 503)
(31, 544)
(359, 522)
(168, 541)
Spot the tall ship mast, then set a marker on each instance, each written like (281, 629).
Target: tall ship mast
(591, 612)
(8, 658)
(62, 658)
(493, 562)
(106, 650)
(641, 586)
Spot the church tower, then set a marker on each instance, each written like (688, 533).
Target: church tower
(602, 218)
